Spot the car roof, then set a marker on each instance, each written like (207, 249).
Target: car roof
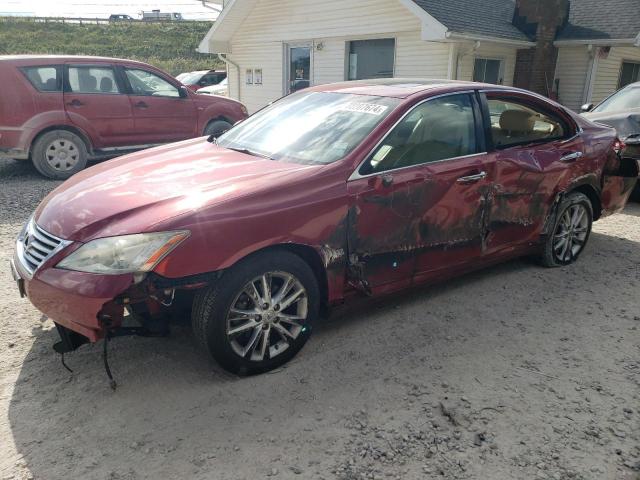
(52, 59)
(402, 87)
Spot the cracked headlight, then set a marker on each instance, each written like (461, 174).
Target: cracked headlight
(140, 252)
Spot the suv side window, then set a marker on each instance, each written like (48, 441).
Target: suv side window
(45, 78)
(435, 130)
(518, 123)
(87, 79)
(146, 83)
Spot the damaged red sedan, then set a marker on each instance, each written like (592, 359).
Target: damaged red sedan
(358, 188)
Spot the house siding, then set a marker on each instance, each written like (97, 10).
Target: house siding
(572, 69)
(329, 26)
(467, 56)
(608, 73)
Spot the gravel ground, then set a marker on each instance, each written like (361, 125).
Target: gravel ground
(515, 372)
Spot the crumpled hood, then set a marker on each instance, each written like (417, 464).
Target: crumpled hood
(133, 193)
(626, 123)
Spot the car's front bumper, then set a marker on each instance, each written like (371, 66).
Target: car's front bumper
(75, 300)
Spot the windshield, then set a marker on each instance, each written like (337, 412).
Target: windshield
(192, 78)
(625, 99)
(310, 127)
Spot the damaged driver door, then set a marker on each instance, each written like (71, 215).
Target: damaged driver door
(416, 201)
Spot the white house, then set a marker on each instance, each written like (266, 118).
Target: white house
(274, 47)
(598, 50)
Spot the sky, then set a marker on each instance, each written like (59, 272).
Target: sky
(190, 9)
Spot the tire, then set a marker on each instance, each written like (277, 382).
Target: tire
(59, 154)
(576, 230)
(213, 321)
(217, 127)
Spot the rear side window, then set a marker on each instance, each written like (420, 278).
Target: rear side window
(514, 123)
(86, 79)
(45, 78)
(435, 130)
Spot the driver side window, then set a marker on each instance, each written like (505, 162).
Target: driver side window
(435, 130)
(149, 84)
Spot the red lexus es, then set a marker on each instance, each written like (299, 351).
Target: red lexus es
(357, 188)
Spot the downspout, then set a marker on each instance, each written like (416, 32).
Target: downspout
(228, 61)
(460, 56)
(591, 74)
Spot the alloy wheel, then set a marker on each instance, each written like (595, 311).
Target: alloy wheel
(267, 315)
(571, 233)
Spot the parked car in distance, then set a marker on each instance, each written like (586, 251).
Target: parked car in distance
(158, 16)
(221, 89)
(621, 110)
(60, 111)
(357, 188)
(120, 17)
(203, 78)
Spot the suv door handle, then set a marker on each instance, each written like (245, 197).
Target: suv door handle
(75, 103)
(472, 178)
(141, 104)
(570, 156)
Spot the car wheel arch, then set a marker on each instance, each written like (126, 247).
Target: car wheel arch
(308, 254)
(76, 131)
(216, 119)
(592, 194)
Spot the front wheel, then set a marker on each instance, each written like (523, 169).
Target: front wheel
(259, 314)
(217, 128)
(571, 230)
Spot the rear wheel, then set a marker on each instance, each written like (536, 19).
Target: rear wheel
(59, 154)
(259, 314)
(571, 231)
(217, 127)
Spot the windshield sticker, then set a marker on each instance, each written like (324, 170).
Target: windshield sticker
(362, 107)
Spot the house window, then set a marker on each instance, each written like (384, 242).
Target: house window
(371, 58)
(629, 73)
(487, 70)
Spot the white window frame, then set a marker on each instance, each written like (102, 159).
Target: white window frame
(485, 57)
(347, 49)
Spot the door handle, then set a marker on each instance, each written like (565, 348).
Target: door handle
(472, 178)
(75, 103)
(570, 156)
(141, 105)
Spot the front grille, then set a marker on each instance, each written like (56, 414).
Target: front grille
(35, 246)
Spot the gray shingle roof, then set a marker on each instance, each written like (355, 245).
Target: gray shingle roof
(490, 18)
(600, 19)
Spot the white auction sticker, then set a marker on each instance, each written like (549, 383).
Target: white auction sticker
(362, 107)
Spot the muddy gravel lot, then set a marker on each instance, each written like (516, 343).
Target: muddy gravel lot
(515, 372)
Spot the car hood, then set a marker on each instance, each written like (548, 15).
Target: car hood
(135, 193)
(626, 122)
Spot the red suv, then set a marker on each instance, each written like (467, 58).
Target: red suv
(60, 111)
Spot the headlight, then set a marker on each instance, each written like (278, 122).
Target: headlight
(125, 254)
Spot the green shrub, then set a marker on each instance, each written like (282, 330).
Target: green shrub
(170, 46)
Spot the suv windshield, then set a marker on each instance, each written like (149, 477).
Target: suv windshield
(625, 99)
(310, 127)
(192, 78)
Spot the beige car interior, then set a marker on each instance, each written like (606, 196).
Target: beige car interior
(435, 131)
(519, 125)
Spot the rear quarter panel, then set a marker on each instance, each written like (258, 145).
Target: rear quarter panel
(24, 111)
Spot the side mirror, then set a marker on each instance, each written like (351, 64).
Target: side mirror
(182, 90)
(587, 107)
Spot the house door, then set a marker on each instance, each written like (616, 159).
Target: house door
(299, 65)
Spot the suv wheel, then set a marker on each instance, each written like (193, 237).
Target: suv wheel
(217, 127)
(59, 154)
(259, 314)
(571, 231)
